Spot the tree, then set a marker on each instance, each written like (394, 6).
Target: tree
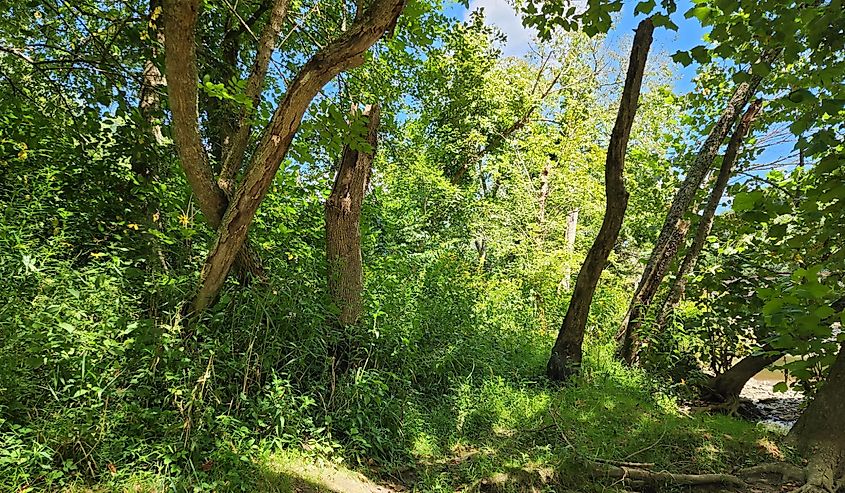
(676, 288)
(819, 433)
(343, 216)
(234, 216)
(565, 358)
(674, 226)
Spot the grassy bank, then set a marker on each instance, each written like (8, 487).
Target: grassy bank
(487, 433)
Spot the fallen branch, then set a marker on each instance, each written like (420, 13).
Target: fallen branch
(657, 477)
(622, 463)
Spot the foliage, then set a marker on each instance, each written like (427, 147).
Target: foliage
(104, 384)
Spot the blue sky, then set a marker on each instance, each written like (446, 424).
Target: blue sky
(690, 33)
(500, 14)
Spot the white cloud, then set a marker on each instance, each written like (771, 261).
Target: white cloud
(502, 15)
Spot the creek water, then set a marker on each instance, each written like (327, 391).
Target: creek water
(777, 408)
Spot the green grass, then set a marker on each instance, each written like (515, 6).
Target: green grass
(446, 397)
(487, 428)
(490, 431)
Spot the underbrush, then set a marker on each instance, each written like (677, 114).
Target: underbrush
(103, 386)
(438, 395)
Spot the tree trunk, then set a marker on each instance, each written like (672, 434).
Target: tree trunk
(346, 52)
(180, 18)
(152, 80)
(819, 433)
(571, 231)
(686, 193)
(631, 343)
(729, 384)
(678, 286)
(541, 198)
(565, 359)
(343, 214)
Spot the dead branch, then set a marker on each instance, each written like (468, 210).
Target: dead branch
(658, 477)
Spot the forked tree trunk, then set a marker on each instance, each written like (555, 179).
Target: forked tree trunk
(678, 286)
(344, 53)
(819, 433)
(700, 167)
(343, 214)
(565, 359)
(180, 18)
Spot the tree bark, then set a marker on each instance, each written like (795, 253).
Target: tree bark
(565, 359)
(819, 433)
(343, 214)
(180, 18)
(151, 81)
(683, 198)
(678, 286)
(346, 52)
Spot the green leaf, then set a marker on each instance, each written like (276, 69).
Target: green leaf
(772, 306)
(761, 69)
(661, 20)
(780, 387)
(745, 201)
(801, 95)
(682, 57)
(645, 7)
(700, 13)
(701, 54)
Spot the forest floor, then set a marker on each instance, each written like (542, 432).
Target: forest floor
(497, 434)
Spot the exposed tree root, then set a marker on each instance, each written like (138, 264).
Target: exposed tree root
(663, 477)
(730, 407)
(787, 472)
(812, 488)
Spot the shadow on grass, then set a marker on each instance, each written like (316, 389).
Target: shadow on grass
(491, 433)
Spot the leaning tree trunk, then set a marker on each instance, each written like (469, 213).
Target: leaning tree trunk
(344, 53)
(676, 290)
(728, 385)
(631, 344)
(343, 214)
(819, 433)
(565, 358)
(652, 276)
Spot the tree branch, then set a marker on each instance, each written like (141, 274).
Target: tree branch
(346, 52)
(266, 44)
